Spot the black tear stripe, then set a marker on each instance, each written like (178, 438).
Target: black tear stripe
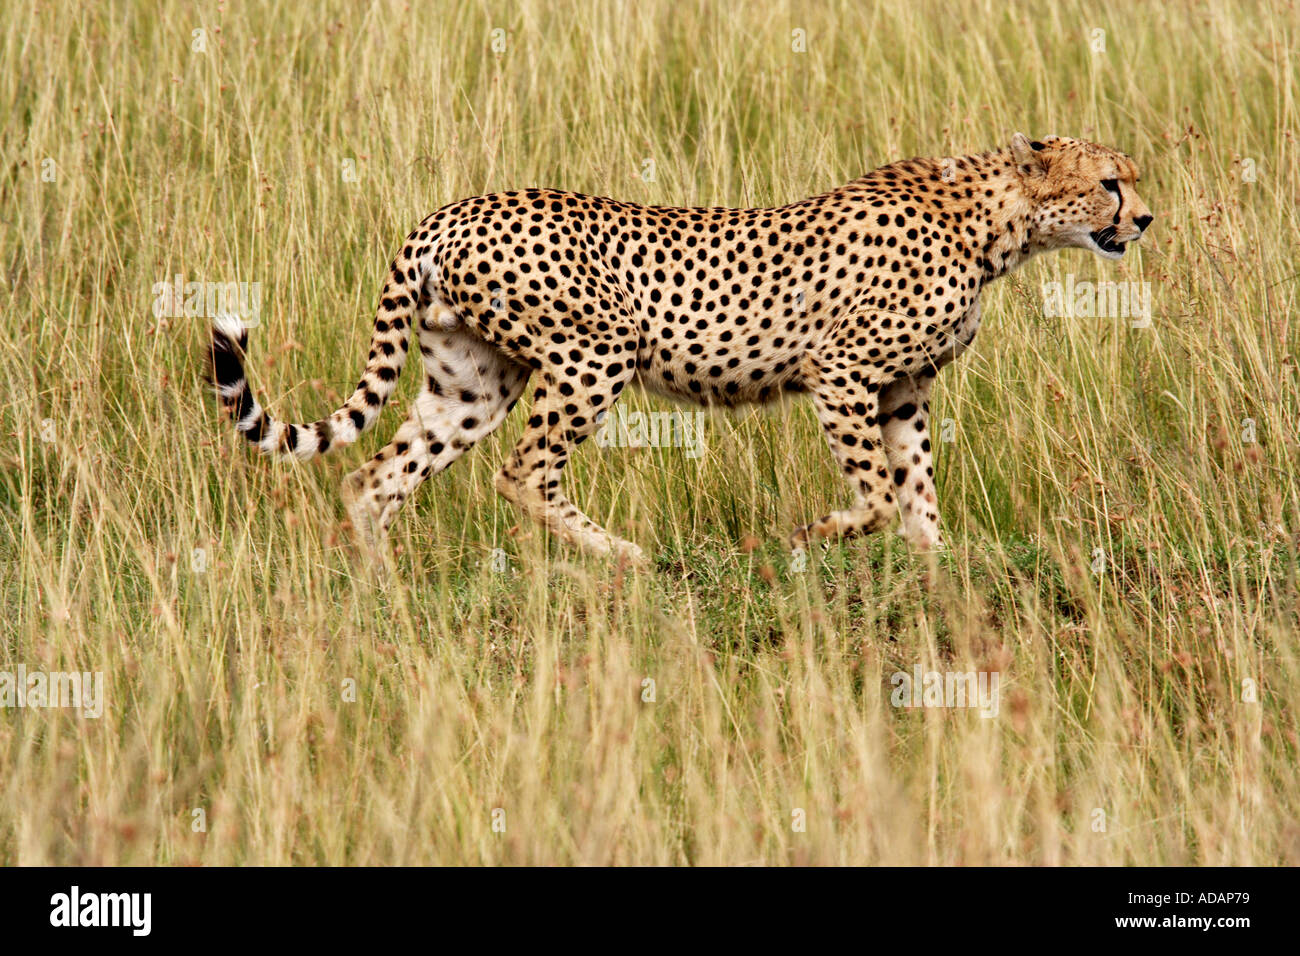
(1119, 198)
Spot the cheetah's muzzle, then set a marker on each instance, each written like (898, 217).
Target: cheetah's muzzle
(1106, 241)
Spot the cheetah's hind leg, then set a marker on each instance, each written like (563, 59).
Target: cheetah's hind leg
(564, 414)
(470, 387)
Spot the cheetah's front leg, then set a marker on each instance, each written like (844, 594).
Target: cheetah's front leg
(564, 413)
(846, 408)
(904, 421)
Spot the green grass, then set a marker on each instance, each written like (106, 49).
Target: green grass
(228, 690)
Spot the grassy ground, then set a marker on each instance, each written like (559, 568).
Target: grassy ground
(1122, 553)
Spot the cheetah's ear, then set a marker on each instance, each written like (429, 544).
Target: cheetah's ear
(1028, 156)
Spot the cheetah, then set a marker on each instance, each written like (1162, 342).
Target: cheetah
(857, 297)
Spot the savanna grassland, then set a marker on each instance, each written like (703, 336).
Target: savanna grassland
(1120, 502)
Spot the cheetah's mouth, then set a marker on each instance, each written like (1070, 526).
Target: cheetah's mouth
(1107, 243)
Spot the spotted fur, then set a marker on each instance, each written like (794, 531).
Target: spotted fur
(857, 297)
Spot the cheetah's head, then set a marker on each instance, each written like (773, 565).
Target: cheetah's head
(1084, 195)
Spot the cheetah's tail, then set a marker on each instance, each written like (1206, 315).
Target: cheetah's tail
(388, 349)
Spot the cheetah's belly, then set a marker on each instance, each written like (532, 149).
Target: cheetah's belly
(722, 363)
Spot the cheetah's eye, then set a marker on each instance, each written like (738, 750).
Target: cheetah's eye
(1111, 186)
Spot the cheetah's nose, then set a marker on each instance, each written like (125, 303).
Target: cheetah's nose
(1142, 222)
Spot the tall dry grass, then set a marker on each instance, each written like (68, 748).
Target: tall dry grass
(1148, 707)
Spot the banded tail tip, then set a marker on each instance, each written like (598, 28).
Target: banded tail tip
(225, 357)
(231, 327)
